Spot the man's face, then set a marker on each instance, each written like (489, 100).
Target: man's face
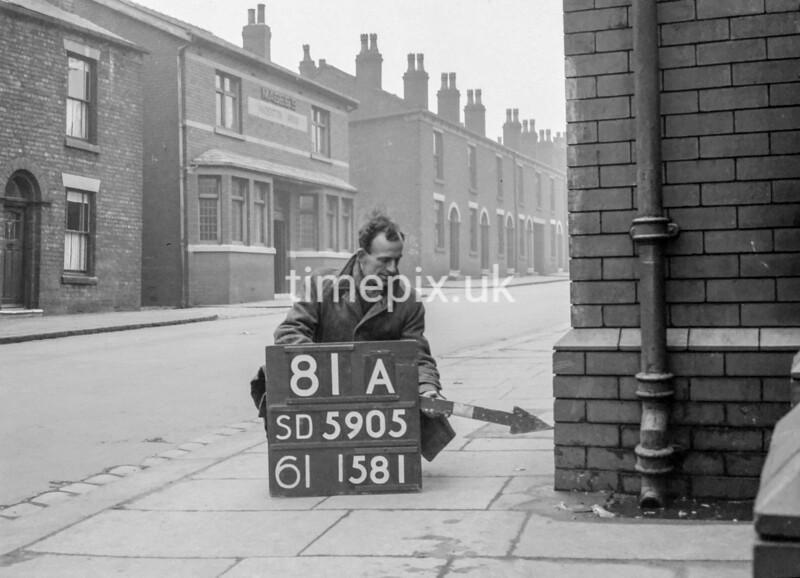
(382, 259)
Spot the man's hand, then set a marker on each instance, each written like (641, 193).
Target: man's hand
(433, 394)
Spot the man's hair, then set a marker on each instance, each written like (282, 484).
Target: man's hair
(376, 224)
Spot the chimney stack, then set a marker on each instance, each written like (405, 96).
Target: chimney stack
(256, 35)
(415, 83)
(512, 129)
(475, 113)
(449, 99)
(307, 66)
(369, 63)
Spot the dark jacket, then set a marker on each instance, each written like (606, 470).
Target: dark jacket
(335, 316)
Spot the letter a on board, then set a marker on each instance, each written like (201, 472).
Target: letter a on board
(380, 377)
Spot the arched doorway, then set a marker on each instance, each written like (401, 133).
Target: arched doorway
(455, 221)
(484, 241)
(17, 235)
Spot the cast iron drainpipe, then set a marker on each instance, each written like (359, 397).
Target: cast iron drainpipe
(650, 229)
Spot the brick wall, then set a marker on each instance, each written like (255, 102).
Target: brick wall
(730, 105)
(32, 139)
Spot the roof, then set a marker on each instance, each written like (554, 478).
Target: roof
(220, 158)
(46, 11)
(187, 31)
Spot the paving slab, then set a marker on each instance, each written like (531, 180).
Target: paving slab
(246, 465)
(520, 568)
(48, 566)
(631, 540)
(191, 534)
(509, 444)
(420, 534)
(714, 570)
(528, 494)
(502, 464)
(438, 493)
(220, 495)
(336, 567)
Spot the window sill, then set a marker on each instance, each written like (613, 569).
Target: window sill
(473, 190)
(438, 181)
(76, 143)
(78, 279)
(439, 249)
(321, 158)
(229, 133)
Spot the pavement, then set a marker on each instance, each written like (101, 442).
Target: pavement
(487, 506)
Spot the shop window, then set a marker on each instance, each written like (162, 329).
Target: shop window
(307, 222)
(239, 210)
(347, 225)
(332, 222)
(208, 192)
(261, 213)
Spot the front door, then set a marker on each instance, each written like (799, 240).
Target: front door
(13, 256)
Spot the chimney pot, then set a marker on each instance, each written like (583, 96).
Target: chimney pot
(261, 15)
(516, 115)
(411, 66)
(373, 42)
(420, 62)
(251, 15)
(306, 52)
(470, 97)
(478, 92)
(256, 35)
(541, 135)
(322, 62)
(444, 81)
(508, 115)
(364, 40)
(547, 132)
(452, 80)
(524, 126)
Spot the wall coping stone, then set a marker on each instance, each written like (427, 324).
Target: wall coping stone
(687, 339)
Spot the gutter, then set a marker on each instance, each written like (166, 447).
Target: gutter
(650, 230)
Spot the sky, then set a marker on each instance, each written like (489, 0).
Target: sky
(511, 49)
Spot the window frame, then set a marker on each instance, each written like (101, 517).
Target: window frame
(206, 196)
(239, 203)
(261, 212)
(87, 233)
(332, 212)
(313, 212)
(88, 103)
(346, 215)
(472, 166)
(499, 169)
(474, 230)
(439, 224)
(438, 155)
(320, 131)
(221, 96)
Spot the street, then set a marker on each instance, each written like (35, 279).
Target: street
(76, 406)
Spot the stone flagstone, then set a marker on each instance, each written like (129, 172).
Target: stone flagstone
(191, 534)
(420, 534)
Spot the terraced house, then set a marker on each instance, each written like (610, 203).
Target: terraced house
(467, 202)
(246, 173)
(70, 163)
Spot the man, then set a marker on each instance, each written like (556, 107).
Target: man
(367, 301)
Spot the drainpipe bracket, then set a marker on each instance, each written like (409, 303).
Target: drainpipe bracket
(654, 385)
(653, 229)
